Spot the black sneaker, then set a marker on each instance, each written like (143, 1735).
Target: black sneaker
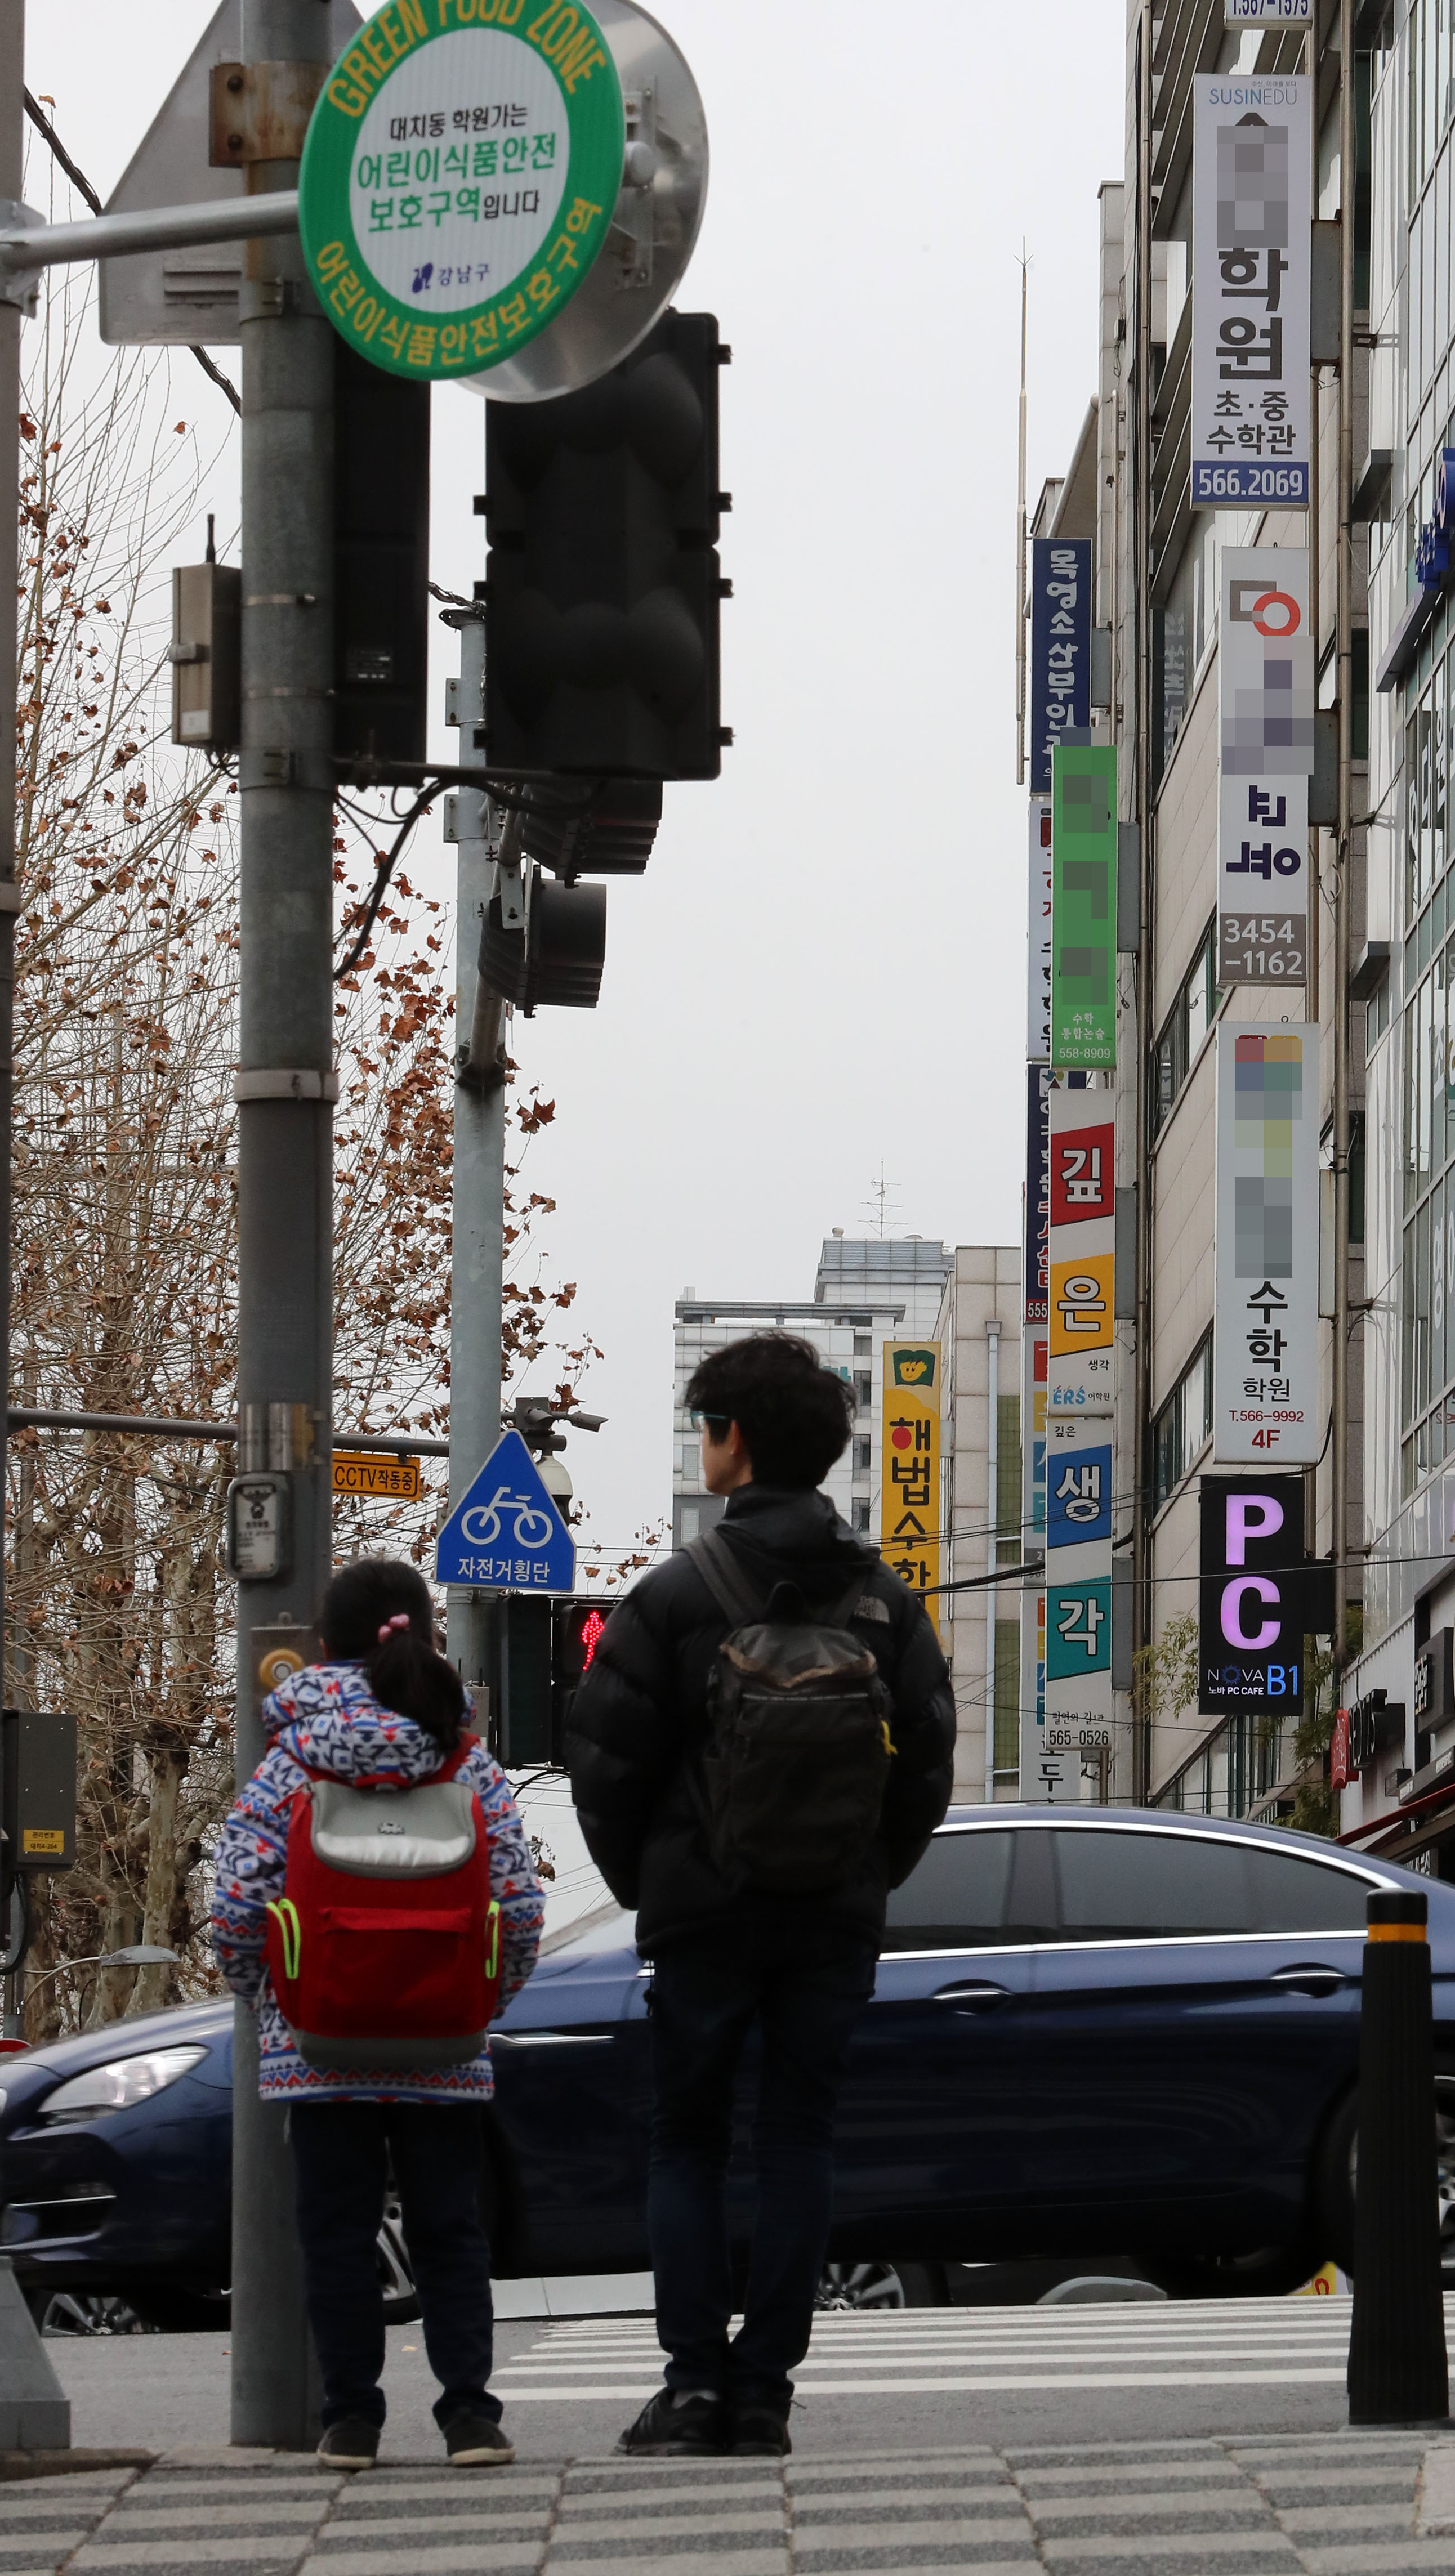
(760, 2432)
(351, 2443)
(477, 2442)
(689, 2422)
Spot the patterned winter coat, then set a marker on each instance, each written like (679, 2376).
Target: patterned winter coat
(327, 1717)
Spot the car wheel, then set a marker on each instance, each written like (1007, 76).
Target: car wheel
(1269, 2272)
(874, 2286)
(76, 2312)
(1339, 2168)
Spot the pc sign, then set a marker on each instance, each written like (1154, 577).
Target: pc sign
(459, 177)
(507, 1535)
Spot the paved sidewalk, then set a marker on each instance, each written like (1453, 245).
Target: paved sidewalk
(1355, 2504)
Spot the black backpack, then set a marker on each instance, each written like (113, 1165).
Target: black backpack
(799, 1748)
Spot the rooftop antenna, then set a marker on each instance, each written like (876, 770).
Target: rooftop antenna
(881, 1192)
(1020, 577)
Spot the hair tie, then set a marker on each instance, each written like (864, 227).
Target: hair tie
(399, 1620)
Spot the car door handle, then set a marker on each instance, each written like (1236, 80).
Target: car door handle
(976, 1997)
(1312, 1980)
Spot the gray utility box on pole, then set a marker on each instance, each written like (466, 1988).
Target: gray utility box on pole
(206, 656)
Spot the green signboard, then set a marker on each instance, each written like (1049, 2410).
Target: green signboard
(460, 172)
(1083, 905)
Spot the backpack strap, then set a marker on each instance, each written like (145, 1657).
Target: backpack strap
(720, 1571)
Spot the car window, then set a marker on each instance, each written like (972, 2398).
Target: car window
(1130, 1886)
(954, 1899)
(1290, 1894)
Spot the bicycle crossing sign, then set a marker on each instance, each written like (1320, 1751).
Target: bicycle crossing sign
(507, 1535)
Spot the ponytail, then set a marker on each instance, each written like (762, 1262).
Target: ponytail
(378, 1612)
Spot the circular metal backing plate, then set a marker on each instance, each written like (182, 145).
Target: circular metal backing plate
(654, 228)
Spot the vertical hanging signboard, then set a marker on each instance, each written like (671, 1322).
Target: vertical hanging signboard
(1251, 243)
(1265, 759)
(1060, 648)
(1081, 1303)
(910, 1512)
(1083, 905)
(1038, 935)
(1266, 1297)
(1035, 1283)
(1077, 1733)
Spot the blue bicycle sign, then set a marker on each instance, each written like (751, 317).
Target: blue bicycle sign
(505, 1534)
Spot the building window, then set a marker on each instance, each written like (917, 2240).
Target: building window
(863, 1346)
(861, 1515)
(863, 1391)
(1182, 1426)
(1183, 1031)
(861, 1456)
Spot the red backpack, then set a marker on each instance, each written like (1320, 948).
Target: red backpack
(384, 1948)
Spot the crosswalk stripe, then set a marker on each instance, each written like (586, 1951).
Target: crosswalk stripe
(951, 2351)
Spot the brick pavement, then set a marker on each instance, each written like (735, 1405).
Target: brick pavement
(1351, 2504)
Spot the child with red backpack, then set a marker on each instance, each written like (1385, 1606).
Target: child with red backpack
(375, 1902)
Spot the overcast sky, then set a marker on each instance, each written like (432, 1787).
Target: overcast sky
(821, 974)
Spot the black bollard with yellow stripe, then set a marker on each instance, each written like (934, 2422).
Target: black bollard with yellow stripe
(1398, 2371)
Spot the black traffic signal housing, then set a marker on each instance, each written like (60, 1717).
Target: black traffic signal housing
(381, 564)
(602, 583)
(608, 833)
(558, 957)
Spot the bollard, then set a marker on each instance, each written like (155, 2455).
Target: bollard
(1398, 2370)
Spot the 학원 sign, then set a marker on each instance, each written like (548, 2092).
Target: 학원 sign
(1265, 757)
(1251, 215)
(459, 177)
(1083, 905)
(1266, 1291)
(910, 1513)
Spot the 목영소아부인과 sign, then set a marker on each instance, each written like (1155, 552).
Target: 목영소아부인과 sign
(459, 177)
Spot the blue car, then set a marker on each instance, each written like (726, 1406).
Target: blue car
(1095, 2033)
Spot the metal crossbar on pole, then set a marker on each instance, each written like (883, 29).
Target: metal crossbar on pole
(25, 249)
(161, 1426)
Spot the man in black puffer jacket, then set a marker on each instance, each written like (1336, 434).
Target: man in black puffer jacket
(726, 1955)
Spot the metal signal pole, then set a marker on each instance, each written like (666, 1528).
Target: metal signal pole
(477, 1259)
(285, 1089)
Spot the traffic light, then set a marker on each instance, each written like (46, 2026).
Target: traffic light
(609, 834)
(602, 580)
(381, 562)
(558, 957)
(579, 1626)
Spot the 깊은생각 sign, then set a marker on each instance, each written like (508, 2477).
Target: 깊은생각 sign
(458, 179)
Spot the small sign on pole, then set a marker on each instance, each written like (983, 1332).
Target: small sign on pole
(397, 1479)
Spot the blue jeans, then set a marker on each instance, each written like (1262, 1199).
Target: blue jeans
(704, 2001)
(341, 2157)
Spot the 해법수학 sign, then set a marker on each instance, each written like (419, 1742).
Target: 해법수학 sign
(459, 176)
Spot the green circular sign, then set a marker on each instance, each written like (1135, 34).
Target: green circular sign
(459, 175)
